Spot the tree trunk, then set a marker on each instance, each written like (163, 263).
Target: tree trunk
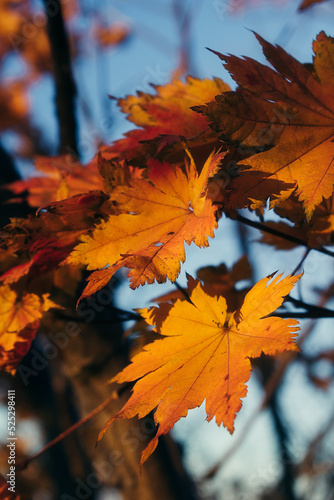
(90, 359)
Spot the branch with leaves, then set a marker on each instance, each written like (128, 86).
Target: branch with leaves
(199, 150)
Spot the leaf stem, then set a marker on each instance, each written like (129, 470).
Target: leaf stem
(301, 262)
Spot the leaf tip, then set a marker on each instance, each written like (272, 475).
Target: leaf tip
(103, 431)
(147, 452)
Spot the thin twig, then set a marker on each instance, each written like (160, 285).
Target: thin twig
(115, 395)
(323, 312)
(314, 446)
(301, 261)
(280, 234)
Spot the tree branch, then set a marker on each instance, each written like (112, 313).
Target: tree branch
(311, 310)
(65, 86)
(119, 317)
(304, 315)
(8, 171)
(280, 234)
(322, 311)
(115, 395)
(288, 478)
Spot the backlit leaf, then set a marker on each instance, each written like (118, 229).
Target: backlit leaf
(165, 116)
(163, 212)
(287, 114)
(203, 355)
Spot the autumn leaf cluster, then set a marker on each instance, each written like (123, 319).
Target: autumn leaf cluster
(199, 151)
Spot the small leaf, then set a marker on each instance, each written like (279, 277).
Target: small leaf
(19, 321)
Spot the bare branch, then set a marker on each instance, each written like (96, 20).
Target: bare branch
(280, 234)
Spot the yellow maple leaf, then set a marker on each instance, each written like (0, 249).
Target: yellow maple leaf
(165, 116)
(205, 356)
(163, 212)
(19, 321)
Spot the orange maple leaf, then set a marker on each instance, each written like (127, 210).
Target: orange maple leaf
(63, 177)
(57, 225)
(19, 321)
(165, 116)
(204, 356)
(164, 211)
(221, 280)
(288, 112)
(32, 247)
